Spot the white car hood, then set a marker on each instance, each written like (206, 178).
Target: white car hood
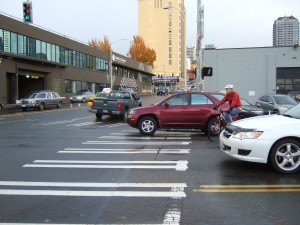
(267, 122)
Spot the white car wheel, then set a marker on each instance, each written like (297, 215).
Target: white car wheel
(147, 126)
(285, 156)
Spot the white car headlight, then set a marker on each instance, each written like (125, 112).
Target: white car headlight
(131, 112)
(248, 135)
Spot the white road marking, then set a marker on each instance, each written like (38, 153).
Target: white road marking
(76, 224)
(78, 184)
(95, 193)
(16, 121)
(125, 151)
(176, 191)
(136, 143)
(161, 133)
(143, 138)
(113, 125)
(83, 124)
(63, 121)
(180, 165)
(172, 216)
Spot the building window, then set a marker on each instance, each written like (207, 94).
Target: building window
(14, 43)
(23, 45)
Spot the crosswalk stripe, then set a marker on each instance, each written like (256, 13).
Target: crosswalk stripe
(85, 184)
(113, 125)
(159, 133)
(176, 191)
(137, 143)
(79, 224)
(94, 193)
(143, 138)
(63, 121)
(180, 165)
(124, 151)
(83, 124)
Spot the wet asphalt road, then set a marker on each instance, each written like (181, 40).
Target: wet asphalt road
(66, 167)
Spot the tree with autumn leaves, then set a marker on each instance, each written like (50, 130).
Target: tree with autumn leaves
(140, 52)
(138, 49)
(103, 45)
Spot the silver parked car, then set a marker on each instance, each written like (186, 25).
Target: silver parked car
(82, 96)
(276, 103)
(41, 100)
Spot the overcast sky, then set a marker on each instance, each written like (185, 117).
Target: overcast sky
(227, 23)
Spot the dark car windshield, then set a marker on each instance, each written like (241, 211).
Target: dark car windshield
(33, 95)
(284, 100)
(293, 112)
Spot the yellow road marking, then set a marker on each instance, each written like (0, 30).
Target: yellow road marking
(250, 188)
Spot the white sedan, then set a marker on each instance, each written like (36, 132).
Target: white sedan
(273, 139)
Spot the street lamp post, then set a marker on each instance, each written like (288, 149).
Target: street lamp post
(184, 44)
(110, 62)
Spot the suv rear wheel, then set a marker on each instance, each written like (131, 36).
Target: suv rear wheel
(147, 125)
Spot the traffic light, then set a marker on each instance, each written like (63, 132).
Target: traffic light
(207, 71)
(27, 12)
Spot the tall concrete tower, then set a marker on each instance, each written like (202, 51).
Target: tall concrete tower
(162, 24)
(286, 31)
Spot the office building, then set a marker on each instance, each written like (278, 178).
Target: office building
(191, 53)
(161, 23)
(32, 58)
(254, 71)
(286, 31)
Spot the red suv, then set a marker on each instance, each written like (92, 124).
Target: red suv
(181, 110)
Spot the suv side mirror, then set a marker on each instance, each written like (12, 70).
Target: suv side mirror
(167, 104)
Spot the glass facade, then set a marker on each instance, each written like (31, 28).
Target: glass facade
(288, 79)
(14, 43)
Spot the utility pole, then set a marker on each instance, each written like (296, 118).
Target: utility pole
(200, 34)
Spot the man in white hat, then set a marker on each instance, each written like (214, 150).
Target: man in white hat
(234, 102)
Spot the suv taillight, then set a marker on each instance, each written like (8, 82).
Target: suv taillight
(93, 103)
(120, 105)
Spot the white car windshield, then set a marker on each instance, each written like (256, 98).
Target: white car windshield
(284, 100)
(293, 112)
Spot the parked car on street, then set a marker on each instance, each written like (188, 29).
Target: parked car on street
(273, 139)
(249, 110)
(180, 110)
(41, 100)
(295, 95)
(82, 96)
(275, 103)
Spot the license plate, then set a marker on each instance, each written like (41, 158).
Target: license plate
(23, 105)
(104, 111)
